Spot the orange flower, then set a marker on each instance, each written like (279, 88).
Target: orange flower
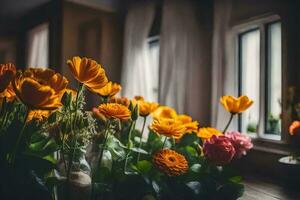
(236, 105)
(145, 107)
(110, 89)
(164, 112)
(8, 93)
(7, 73)
(38, 115)
(294, 128)
(88, 72)
(207, 133)
(121, 100)
(168, 127)
(114, 110)
(40, 89)
(170, 162)
(139, 98)
(190, 125)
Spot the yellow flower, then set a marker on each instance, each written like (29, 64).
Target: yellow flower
(190, 125)
(145, 107)
(164, 112)
(121, 100)
(88, 72)
(7, 73)
(40, 89)
(206, 133)
(168, 127)
(114, 110)
(38, 115)
(170, 162)
(139, 98)
(110, 89)
(236, 105)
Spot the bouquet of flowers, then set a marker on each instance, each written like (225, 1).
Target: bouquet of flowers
(52, 148)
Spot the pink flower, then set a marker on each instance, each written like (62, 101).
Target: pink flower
(241, 143)
(219, 150)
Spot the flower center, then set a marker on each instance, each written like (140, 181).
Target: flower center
(172, 159)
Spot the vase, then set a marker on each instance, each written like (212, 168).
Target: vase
(77, 181)
(94, 154)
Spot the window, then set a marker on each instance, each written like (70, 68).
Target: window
(153, 51)
(38, 46)
(249, 76)
(260, 77)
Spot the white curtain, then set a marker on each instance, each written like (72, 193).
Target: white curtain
(137, 75)
(38, 46)
(185, 59)
(224, 79)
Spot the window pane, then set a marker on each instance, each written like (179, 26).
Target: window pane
(38, 46)
(273, 125)
(154, 66)
(250, 78)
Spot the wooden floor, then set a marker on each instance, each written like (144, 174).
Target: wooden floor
(266, 189)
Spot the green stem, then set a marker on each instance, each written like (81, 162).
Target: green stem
(226, 127)
(163, 146)
(14, 152)
(100, 156)
(104, 144)
(2, 112)
(141, 139)
(71, 157)
(132, 126)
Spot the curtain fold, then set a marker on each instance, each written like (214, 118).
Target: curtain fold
(136, 75)
(224, 71)
(185, 58)
(38, 46)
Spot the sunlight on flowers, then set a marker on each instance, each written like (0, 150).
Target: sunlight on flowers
(38, 115)
(40, 88)
(207, 132)
(236, 105)
(145, 107)
(115, 111)
(164, 112)
(120, 100)
(110, 89)
(190, 125)
(168, 127)
(88, 72)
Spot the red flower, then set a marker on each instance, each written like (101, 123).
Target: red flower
(241, 143)
(219, 150)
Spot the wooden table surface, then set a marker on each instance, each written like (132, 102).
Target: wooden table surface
(266, 189)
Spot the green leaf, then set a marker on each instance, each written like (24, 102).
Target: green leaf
(144, 166)
(139, 150)
(51, 159)
(188, 139)
(195, 168)
(236, 179)
(191, 151)
(116, 148)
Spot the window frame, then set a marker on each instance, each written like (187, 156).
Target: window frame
(261, 23)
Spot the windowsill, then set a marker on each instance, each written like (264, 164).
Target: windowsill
(271, 146)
